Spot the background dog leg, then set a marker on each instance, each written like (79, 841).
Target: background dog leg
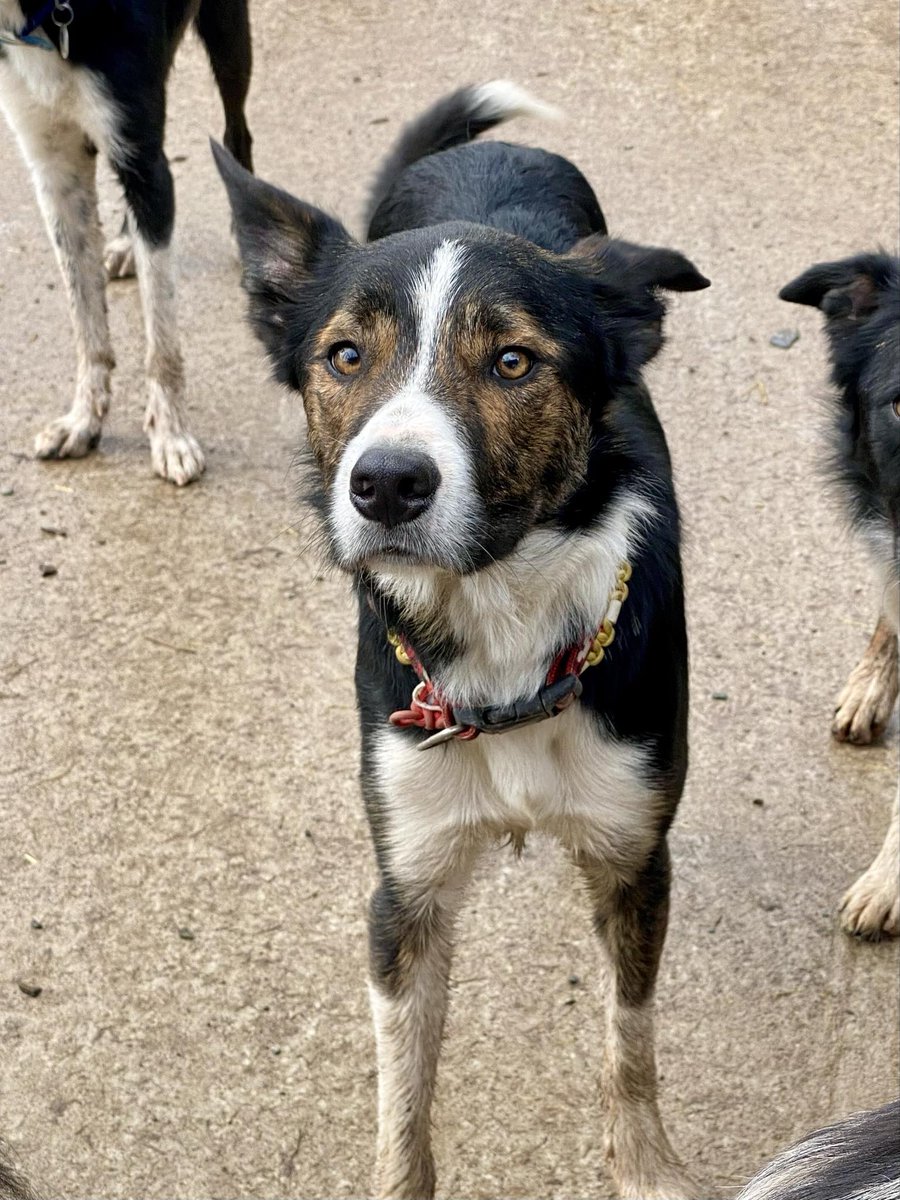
(224, 28)
(118, 257)
(631, 921)
(871, 907)
(865, 705)
(63, 167)
(411, 947)
(145, 176)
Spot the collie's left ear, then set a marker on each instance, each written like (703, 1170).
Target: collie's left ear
(649, 267)
(283, 243)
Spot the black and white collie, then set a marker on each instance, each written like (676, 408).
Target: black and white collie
(856, 1159)
(494, 476)
(87, 75)
(860, 297)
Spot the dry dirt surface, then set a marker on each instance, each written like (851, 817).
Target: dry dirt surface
(184, 863)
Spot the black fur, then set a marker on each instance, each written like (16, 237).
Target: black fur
(860, 297)
(855, 1159)
(13, 1186)
(603, 305)
(534, 244)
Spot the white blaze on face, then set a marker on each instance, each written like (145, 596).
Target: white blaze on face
(412, 419)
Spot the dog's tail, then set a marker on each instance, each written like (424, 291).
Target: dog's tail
(457, 118)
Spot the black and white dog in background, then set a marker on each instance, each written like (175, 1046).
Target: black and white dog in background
(491, 466)
(860, 297)
(109, 94)
(855, 1159)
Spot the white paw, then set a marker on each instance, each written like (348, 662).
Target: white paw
(176, 456)
(871, 907)
(69, 437)
(865, 705)
(118, 258)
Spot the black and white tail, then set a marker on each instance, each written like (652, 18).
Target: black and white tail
(453, 120)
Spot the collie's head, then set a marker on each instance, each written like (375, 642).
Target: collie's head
(455, 378)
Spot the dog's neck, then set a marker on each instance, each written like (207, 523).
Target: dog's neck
(509, 619)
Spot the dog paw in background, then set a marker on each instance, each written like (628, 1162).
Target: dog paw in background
(118, 257)
(865, 705)
(871, 907)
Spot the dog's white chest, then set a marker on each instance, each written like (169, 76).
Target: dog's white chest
(564, 777)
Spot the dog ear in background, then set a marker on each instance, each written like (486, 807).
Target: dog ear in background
(284, 244)
(629, 279)
(848, 288)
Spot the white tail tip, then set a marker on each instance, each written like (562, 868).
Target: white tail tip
(503, 99)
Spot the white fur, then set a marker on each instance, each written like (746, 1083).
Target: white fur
(511, 617)
(412, 419)
(174, 452)
(63, 173)
(503, 100)
(54, 91)
(563, 777)
(433, 294)
(871, 906)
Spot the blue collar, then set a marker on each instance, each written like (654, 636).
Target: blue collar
(38, 19)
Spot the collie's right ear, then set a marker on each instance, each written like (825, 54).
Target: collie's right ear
(283, 243)
(850, 287)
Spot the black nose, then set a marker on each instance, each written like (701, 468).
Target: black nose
(392, 486)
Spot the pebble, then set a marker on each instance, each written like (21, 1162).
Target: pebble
(48, 569)
(6, 490)
(36, 924)
(30, 989)
(784, 338)
(574, 980)
(186, 935)
(720, 695)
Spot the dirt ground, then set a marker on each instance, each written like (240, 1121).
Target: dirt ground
(184, 863)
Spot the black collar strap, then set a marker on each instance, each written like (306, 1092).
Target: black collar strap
(430, 710)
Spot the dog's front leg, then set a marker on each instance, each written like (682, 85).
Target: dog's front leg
(631, 920)
(63, 167)
(411, 934)
(865, 705)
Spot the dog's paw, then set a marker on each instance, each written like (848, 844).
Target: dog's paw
(69, 437)
(865, 705)
(176, 456)
(118, 257)
(871, 907)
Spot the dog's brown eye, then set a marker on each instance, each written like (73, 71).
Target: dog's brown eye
(344, 358)
(513, 363)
